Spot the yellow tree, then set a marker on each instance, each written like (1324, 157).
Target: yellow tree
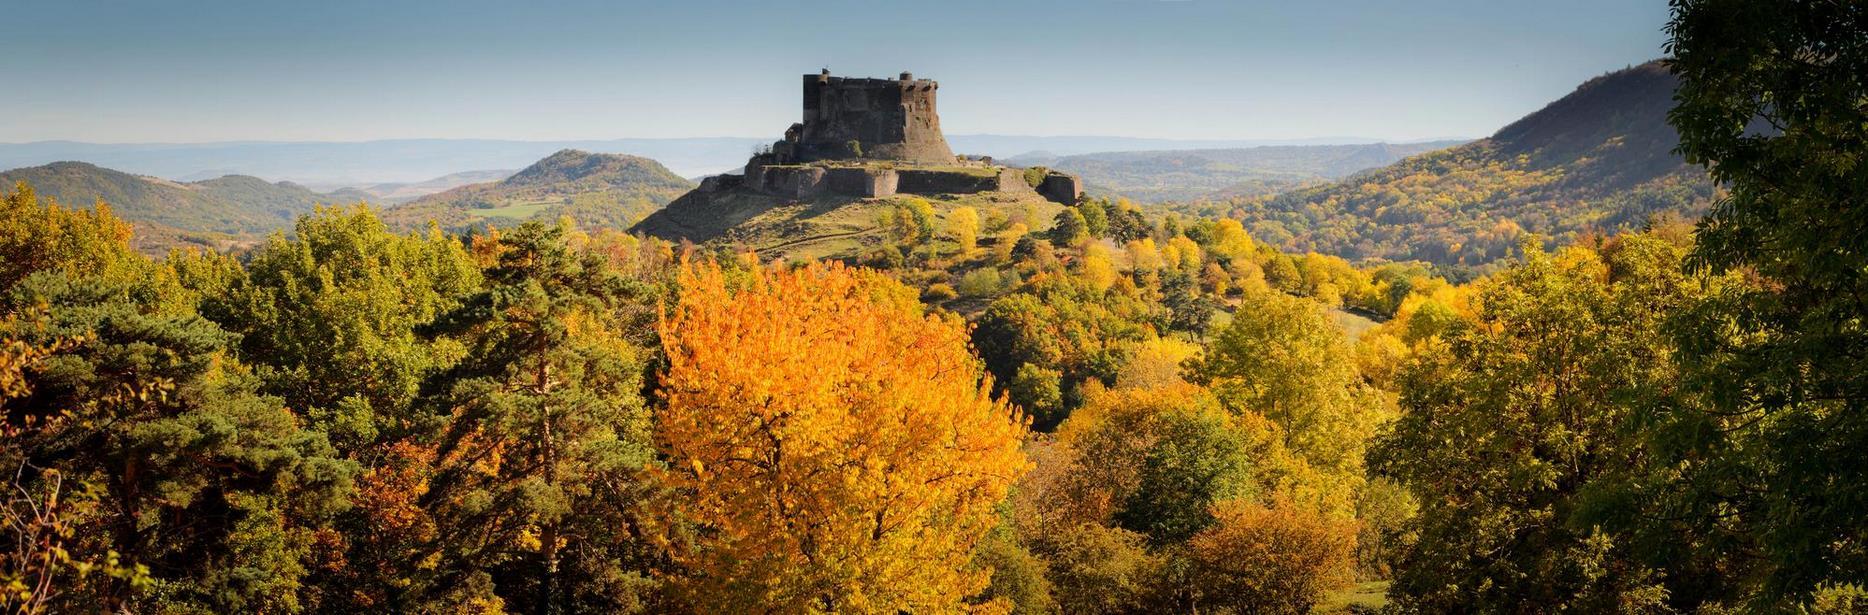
(963, 224)
(829, 447)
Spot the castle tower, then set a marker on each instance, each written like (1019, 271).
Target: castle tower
(883, 119)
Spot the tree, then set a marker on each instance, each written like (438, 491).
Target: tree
(1069, 229)
(40, 236)
(214, 488)
(1282, 357)
(1103, 571)
(911, 220)
(1095, 217)
(1771, 102)
(830, 448)
(1155, 461)
(530, 480)
(1546, 393)
(963, 225)
(329, 317)
(1259, 559)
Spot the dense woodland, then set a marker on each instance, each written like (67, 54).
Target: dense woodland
(1601, 159)
(1125, 413)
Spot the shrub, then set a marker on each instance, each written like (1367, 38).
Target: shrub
(939, 293)
(1256, 559)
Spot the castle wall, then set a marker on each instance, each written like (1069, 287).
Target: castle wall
(925, 181)
(1061, 187)
(862, 182)
(792, 181)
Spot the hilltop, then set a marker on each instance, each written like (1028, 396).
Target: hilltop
(210, 212)
(869, 152)
(614, 190)
(1598, 159)
(1181, 175)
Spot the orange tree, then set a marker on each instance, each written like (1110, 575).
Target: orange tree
(828, 447)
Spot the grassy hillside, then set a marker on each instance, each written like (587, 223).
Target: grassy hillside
(608, 190)
(1180, 175)
(829, 227)
(1599, 159)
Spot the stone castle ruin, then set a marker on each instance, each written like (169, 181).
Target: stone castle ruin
(884, 119)
(873, 138)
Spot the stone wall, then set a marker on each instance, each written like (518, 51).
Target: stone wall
(931, 181)
(862, 181)
(795, 182)
(1061, 187)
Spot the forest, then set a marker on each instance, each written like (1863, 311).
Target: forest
(1126, 413)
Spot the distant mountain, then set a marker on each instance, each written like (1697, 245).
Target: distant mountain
(609, 190)
(202, 211)
(402, 192)
(330, 165)
(1599, 159)
(1182, 175)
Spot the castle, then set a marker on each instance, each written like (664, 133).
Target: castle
(879, 119)
(872, 138)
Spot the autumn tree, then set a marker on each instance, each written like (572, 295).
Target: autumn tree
(1276, 559)
(1547, 393)
(1282, 357)
(829, 447)
(963, 226)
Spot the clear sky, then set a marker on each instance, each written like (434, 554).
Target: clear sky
(346, 70)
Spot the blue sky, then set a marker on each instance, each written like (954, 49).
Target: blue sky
(343, 70)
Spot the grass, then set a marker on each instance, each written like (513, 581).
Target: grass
(839, 228)
(517, 211)
(1353, 324)
(1363, 597)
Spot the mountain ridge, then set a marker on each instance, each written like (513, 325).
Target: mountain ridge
(1599, 159)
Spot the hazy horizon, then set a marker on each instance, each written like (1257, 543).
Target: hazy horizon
(1360, 70)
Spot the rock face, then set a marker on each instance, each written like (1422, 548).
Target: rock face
(877, 119)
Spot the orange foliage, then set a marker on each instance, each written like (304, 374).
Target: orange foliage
(830, 448)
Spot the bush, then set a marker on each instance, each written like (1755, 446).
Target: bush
(939, 293)
(1256, 559)
(1035, 175)
(982, 283)
(1096, 569)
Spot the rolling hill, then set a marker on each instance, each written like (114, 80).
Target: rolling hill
(1597, 160)
(210, 212)
(610, 190)
(1180, 175)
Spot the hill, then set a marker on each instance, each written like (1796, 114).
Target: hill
(208, 212)
(1180, 175)
(1598, 159)
(827, 226)
(613, 190)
